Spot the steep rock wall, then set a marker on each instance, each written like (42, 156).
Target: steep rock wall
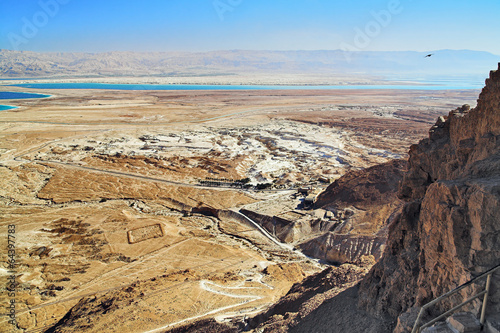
(374, 186)
(449, 230)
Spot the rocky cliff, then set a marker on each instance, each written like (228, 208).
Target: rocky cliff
(363, 202)
(449, 230)
(374, 186)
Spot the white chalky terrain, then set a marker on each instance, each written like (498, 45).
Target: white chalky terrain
(279, 150)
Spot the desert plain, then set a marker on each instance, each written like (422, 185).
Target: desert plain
(127, 202)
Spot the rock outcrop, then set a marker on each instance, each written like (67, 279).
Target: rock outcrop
(449, 230)
(343, 248)
(364, 202)
(365, 188)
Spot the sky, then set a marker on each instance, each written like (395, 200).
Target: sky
(207, 25)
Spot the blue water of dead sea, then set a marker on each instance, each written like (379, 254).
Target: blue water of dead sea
(17, 95)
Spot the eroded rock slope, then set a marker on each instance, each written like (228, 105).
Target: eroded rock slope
(449, 231)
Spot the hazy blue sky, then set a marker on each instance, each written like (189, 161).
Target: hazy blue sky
(202, 25)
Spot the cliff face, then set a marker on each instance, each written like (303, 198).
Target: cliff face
(363, 189)
(449, 230)
(364, 202)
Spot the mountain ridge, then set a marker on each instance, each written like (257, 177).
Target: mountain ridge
(229, 62)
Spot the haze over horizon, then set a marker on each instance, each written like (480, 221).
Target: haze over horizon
(206, 25)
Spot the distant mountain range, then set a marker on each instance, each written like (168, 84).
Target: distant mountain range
(444, 62)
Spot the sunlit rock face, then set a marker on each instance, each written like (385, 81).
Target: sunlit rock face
(449, 230)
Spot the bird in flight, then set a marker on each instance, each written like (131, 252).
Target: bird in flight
(429, 55)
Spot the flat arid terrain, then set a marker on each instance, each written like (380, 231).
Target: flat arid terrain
(127, 205)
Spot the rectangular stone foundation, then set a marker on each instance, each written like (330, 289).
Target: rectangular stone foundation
(145, 233)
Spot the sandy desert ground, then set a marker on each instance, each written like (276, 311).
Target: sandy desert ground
(127, 200)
